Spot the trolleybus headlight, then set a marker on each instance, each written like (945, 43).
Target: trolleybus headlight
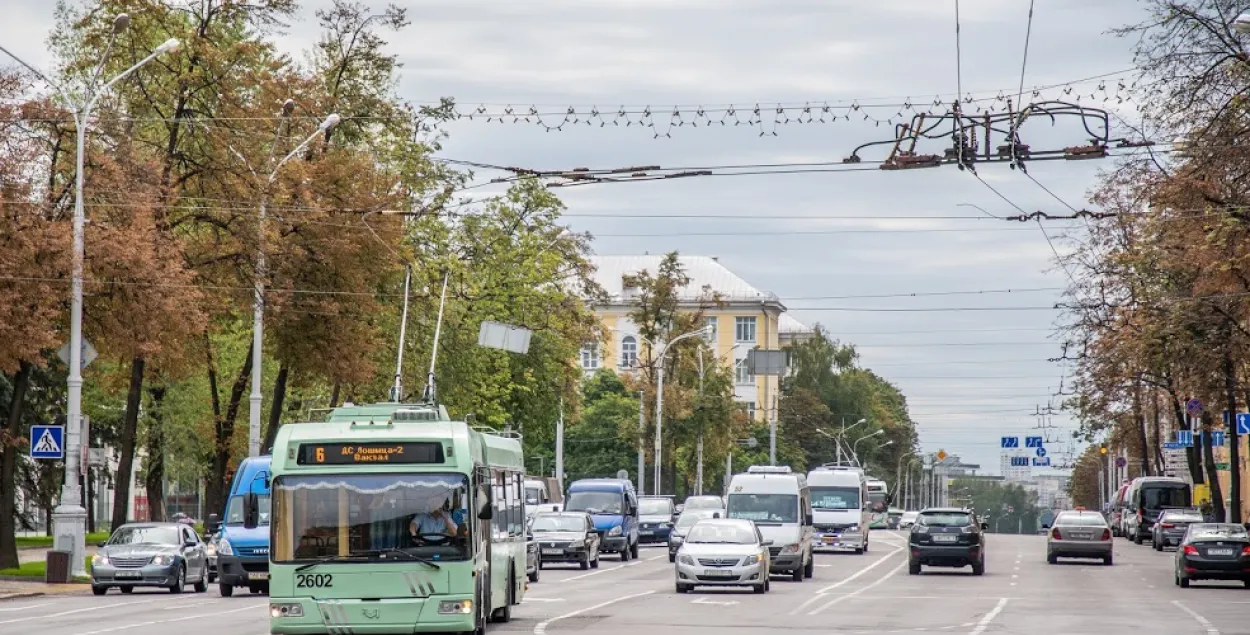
(464, 607)
(286, 610)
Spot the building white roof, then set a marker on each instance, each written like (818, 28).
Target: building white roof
(703, 271)
(787, 324)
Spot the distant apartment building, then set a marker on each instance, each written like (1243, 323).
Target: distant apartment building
(745, 318)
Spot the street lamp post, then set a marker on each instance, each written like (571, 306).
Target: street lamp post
(258, 300)
(69, 517)
(659, 401)
(855, 446)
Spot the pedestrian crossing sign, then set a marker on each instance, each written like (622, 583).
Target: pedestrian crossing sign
(47, 442)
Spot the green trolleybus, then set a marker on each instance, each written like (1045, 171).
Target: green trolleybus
(392, 518)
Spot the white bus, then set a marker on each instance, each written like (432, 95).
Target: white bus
(839, 508)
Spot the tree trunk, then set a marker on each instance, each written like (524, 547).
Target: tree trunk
(1157, 452)
(1208, 458)
(9, 437)
(215, 494)
(275, 410)
(1234, 449)
(334, 394)
(154, 474)
(1139, 420)
(129, 432)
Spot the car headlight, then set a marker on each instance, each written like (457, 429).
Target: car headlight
(675, 538)
(921, 529)
(852, 528)
(224, 548)
(615, 531)
(210, 550)
(462, 607)
(752, 559)
(966, 530)
(580, 542)
(162, 559)
(790, 549)
(686, 560)
(99, 559)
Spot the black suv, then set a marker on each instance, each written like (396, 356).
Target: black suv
(947, 537)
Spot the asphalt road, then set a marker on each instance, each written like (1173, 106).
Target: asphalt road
(866, 594)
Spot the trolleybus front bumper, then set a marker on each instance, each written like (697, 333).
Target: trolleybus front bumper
(307, 616)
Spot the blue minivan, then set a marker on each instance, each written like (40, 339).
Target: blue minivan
(613, 505)
(243, 535)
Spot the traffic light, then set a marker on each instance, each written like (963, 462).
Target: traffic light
(1102, 448)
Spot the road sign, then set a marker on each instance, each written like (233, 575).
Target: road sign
(1217, 438)
(941, 455)
(1011, 442)
(1041, 461)
(1041, 451)
(768, 363)
(1193, 407)
(1243, 423)
(89, 354)
(1019, 461)
(47, 442)
(1174, 445)
(1120, 461)
(1032, 442)
(505, 337)
(1185, 438)
(96, 457)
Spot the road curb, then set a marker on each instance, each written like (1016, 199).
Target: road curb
(19, 596)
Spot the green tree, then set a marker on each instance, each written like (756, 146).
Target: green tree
(601, 441)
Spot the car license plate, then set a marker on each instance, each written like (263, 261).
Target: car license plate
(719, 573)
(1219, 552)
(644, 532)
(129, 575)
(553, 552)
(945, 538)
(1080, 536)
(830, 540)
(258, 575)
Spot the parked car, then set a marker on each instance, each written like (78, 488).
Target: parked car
(1171, 526)
(1079, 534)
(168, 555)
(566, 537)
(1213, 551)
(723, 552)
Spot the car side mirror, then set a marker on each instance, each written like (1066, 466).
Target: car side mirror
(251, 510)
(190, 542)
(808, 519)
(985, 526)
(103, 544)
(767, 543)
(715, 514)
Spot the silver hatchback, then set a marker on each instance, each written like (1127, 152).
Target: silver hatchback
(723, 552)
(1079, 534)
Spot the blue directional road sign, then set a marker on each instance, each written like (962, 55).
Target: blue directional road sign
(1041, 462)
(1185, 438)
(1032, 442)
(1243, 423)
(1011, 442)
(1019, 461)
(1173, 445)
(1217, 438)
(47, 442)
(1041, 451)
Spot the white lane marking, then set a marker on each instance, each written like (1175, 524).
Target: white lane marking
(23, 608)
(530, 599)
(716, 602)
(76, 611)
(1014, 576)
(175, 619)
(1211, 630)
(989, 617)
(858, 591)
(587, 575)
(663, 555)
(821, 592)
(541, 627)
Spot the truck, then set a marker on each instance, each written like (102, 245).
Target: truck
(394, 517)
(241, 535)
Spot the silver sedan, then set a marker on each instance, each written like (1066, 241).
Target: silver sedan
(723, 552)
(1079, 534)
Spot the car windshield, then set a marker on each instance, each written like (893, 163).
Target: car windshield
(835, 498)
(145, 535)
(764, 508)
(1157, 496)
(946, 519)
(594, 502)
(688, 519)
(1080, 520)
(704, 502)
(234, 511)
(1211, 530)
(558, 523)
(533, 495)
(353, 516)
(721, 534)
(655, 507)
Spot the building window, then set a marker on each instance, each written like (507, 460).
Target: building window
(590, 357)
(742, 373)
(629, 352)
(710, 325)
(744, 329)
(749, 407)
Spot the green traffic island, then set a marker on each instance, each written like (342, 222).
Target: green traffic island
(38, 572)
(45, 542)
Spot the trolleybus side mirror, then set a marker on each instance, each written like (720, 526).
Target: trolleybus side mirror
(251, 510)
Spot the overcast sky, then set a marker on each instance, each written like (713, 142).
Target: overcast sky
(969, 376)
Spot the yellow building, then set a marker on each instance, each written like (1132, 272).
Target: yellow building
(746, 318)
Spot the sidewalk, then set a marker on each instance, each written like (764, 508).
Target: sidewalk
(14, 589)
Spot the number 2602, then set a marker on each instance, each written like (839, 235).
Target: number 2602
(314, 580)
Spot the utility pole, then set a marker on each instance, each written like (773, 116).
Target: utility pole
(560, 446)
(642, 427)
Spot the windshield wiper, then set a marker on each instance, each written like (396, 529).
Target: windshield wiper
(410, 556)
(325, 559)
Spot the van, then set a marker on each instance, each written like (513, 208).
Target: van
(1149, 495)
(242, 532)
(840, 508)
(542, 494)
(1117, 509)
(613, 505)
(780, 504)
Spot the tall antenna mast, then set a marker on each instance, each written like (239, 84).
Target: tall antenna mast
(431, 395)
(397, 390)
